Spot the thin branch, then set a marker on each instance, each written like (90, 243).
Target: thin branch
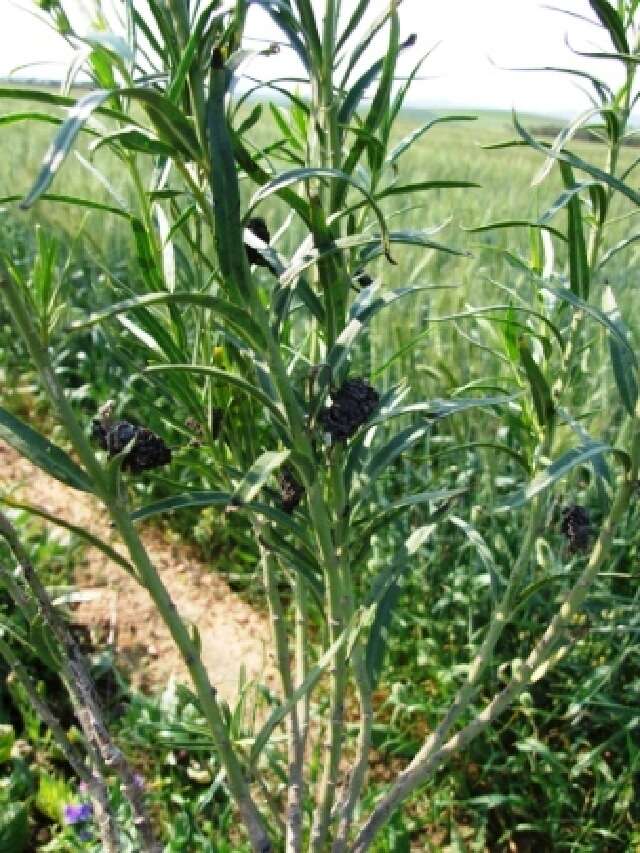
(95, 783)
(80, 687)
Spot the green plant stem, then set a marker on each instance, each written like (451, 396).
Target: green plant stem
(335, 616)
(359, 772)
(426, 762)
(301, 657)
(613, 155)
(150, 577)
(295, 755)
(357, 776)
(329, 102)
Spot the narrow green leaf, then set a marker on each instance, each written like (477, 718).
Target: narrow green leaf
(237, 317)
(572, 190)
(481, 548)
(367, 304)
(556, 471)
(39, 450)
(516, 223)
(281, 14)
(184, 501)
(563, 138)
(540, 390)
(170, 123)
(23, 93)
(384, 593)
(624, 366)
(394, 448)
(258, 474)
(188, 54)
(568, 296)
(134, 139)
(426, 497)
(618, 247)
(579, 272)
(403, 146)
(287, 179)
(421, 186)
(80, 532)
(577, 163)
(228, 378)
(63, 142)
(612, 22)
(74, 201)
(439, 408)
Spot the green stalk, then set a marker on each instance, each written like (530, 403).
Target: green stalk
(336, 620)
(301, 657)
(357, 777)
(295, 754)
(329, 102)
(361, 764)
(150, 577)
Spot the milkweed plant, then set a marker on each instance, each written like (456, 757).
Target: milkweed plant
(266, 359)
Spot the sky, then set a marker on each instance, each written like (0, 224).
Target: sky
(475, 42)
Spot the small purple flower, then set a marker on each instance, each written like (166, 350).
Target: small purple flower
(77, 813)
(138, 781)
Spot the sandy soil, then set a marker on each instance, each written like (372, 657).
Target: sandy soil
(233, 635)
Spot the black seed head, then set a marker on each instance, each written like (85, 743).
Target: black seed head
(291, 491)
(353, 404)
(258, 226)
(576, 526)
(361, 279)
(148, 450)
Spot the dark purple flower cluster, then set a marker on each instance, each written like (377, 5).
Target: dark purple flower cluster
(291, 491)
(148, 450)
(577, 528)
(352, 405)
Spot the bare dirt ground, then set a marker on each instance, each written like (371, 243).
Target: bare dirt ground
(232, 633)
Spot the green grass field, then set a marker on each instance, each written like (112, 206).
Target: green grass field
(560, 771)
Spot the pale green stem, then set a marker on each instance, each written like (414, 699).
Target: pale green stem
(361, 764)
(301, 660)
(335, 616)
(295, 757)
